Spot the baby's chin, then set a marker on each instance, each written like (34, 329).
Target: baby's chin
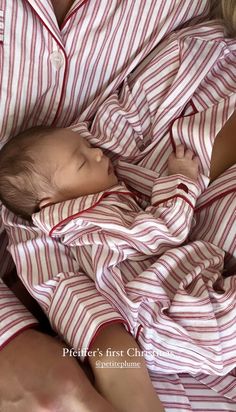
(114, 178)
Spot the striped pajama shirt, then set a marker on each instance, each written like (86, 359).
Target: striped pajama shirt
(183, 92)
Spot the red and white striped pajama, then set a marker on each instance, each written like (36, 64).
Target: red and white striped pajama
(194, 96)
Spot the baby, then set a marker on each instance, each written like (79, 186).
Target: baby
(43, 166)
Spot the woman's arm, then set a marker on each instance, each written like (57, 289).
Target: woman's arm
(119, 376)
(34, 376)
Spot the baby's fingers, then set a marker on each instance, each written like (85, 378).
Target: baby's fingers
(189, 154)
(179, 152)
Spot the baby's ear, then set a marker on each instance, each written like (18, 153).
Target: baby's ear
(47, 201)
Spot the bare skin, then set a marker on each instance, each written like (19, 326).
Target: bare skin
(36, 377)
(26, 392)
(37, 389)
(183, 162)
(224, 152)
(38, 373)
(122, 386)
(61, 8)
(40, 386)
(36, 386)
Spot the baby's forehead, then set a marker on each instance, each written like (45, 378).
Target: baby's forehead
(59, 146)
(63, 136)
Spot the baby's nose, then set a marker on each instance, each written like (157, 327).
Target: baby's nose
(98, 153)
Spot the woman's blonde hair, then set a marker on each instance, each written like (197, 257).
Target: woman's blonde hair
(225, 10)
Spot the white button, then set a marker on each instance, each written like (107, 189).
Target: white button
(169, 203)
(57, 59)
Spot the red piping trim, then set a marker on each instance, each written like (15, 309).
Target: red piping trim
(172, 197)
(193, 107)
(56, 40)
(70, 15)
(180, 116)
(106, 194)
(138, 332)
(214, 199)
(183, 187)
(66, 64)
(18, 333)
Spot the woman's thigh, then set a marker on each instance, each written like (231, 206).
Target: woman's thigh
(214, 217)
(224, 149)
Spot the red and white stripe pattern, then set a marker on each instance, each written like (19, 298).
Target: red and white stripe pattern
(187, 393)
(115, 218)
(174, 302)
(51, 75)
(49, 269)
(7, 263)
(14, 316)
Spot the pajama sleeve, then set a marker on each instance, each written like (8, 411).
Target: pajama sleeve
(172, 206)
(117, 220)
(14, 317)
(165, 223)
(76, 310)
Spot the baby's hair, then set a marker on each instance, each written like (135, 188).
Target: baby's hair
(22, 178)
(225, 10)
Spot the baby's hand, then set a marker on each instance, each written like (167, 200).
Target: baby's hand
(183, 162)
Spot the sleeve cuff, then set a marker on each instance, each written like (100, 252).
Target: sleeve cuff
(171, 187)
(79, 312)
(14, 317)
(12, 337)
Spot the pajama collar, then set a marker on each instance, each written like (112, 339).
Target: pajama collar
(53, 218)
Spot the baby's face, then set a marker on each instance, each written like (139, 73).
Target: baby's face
(78, 169)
